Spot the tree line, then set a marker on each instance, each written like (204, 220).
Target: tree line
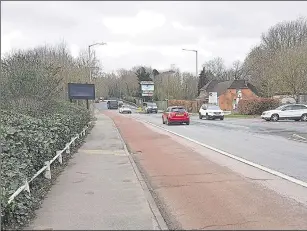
(277, 65)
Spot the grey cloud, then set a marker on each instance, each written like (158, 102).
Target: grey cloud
(36, 15)
(231, 19)
(167, 35)
(226, 24)
(149, 58)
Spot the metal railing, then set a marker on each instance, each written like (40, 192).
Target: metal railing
(47, 168)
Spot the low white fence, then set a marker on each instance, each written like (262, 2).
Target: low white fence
(47, 168)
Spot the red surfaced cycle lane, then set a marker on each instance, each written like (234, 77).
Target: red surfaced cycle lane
(195, 193)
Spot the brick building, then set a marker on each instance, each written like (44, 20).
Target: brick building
(228, 92)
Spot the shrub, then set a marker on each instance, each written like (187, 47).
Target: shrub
(27, 142)
(256, 106)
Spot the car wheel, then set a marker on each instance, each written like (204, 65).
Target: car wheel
(200, 116)
(222, 118)
(274, 117)
(167, 122)
(304, 117)
(163, 120)
(207, 117)
(297, 119)
(188, 123)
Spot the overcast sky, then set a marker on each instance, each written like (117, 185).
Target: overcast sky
(145, 33)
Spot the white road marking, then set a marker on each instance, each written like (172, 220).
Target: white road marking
(258, 166)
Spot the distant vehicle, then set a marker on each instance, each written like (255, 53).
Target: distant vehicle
(175, 114)
(210, 111)
(100, 99)
(120, 103)
(96, 100)
(150, 107)
(112, 104)
(295, 112)
(125, 109)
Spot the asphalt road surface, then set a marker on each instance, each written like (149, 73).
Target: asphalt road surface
(273, 145)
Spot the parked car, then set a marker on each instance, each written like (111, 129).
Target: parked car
(175, 114)
(96, 100)
(125, 109)
(295, 112)
(211, 111)
(120, 103)
(150, 107)
(112, 104)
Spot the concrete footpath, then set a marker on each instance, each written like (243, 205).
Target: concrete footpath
(99, 189)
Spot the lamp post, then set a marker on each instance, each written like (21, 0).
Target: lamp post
(196, 59)
(89, 58)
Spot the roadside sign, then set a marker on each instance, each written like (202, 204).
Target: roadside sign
(81, 91)
(213, 98)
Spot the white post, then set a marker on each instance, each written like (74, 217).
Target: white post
(27, 188)
(67, 148)
(72, 141)
(48, 170)
(60, 158)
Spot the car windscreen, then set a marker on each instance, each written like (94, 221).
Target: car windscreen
(152, 104)
(178, 109)
(213, 107)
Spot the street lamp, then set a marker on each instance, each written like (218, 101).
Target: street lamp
(89, 56)
(196, 59)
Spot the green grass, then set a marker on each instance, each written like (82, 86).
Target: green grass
(239, 116)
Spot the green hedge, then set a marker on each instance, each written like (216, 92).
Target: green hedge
(256, 106)
(26, 143)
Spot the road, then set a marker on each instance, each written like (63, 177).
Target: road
(198, 188)
(268, 144)
(263, 143)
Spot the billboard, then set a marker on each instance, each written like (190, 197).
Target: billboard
(147, 88)
(213, 97)
(81, 91)
(147, 93)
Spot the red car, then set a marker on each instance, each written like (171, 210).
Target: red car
(175, 114)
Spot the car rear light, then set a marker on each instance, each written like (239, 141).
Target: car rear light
(172, 114)
(186, 114)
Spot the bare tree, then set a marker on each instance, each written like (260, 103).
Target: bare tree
(290, 67)
(284, 35)
(217, 67)
(272, 66)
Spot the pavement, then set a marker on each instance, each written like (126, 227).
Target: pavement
(196, 188)
(277, 146)
(100, 189)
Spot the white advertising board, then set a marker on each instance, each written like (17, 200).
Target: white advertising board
(213, 98)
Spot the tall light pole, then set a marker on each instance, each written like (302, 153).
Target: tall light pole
(196, 59)
(89, 57)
